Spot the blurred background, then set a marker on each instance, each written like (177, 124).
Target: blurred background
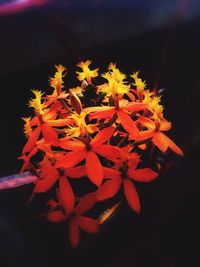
(162, 40)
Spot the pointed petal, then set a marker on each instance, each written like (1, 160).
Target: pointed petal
(102, 136)
(108, 151)
(50, 115)
(146, 122)
(86, 203)
(142, 135)
(70, 159)
(46, 168)
(94, 168)
(74, 232)
(71, 145)
(76, 172)
(89, 225)
(142, 175)
(160, 141)
(60, 122)
(47, 182)
(26, 159)
(108, 190)
(96, 109)
(172, 145)
(132, 196)
(131, 96)
(66, 194)
(127, 123)
(134, 106)
(102, 114)
(111, 173)
(56, 216)
(32, 140)
(165, 125)
(49, 133)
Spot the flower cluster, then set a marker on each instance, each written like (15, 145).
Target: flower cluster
(101, 134)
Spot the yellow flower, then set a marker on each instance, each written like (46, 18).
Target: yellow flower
(138, 81)
(36, 102)
(154, 105)
(77, 91)
(80, 127)
(57, 81)
(86, 72)
(116, 85)
(27, 126)
(147, 96)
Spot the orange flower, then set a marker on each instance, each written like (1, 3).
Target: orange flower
(49, 174)
(124, 176)
(121, 113)
(44, 121)
(88, 150)
(74, 213)
(159, 139)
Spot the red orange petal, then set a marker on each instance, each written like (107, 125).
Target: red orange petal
(66, 194)
(142, 135)
(165, 125)
(111, 173)
(76, 172)
(89, 225)
(146, 122)
(56, 216)
(46, 168)
(102, 136)
(32, 140)
(142, 175)
(132, 196)
(47, 182)
(49, 133)
(70, 159)
(134, 106)
(102, 114)
(74, 232)
(71, 145)
(172, 145)
(160, 141)
(59, 122)
(127, 123)
(86, 203)
(108, 190)
(108, 151)
(94, 168)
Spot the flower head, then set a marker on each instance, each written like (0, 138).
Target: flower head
(27, 126)
(80, 127)
(116, 86)
(57, 81)
(86, 73)
(101, 135)
(36, 102)
(138, 81)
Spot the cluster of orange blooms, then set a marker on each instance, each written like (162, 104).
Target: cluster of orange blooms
(96, 134)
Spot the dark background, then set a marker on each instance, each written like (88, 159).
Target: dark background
(162, 40)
